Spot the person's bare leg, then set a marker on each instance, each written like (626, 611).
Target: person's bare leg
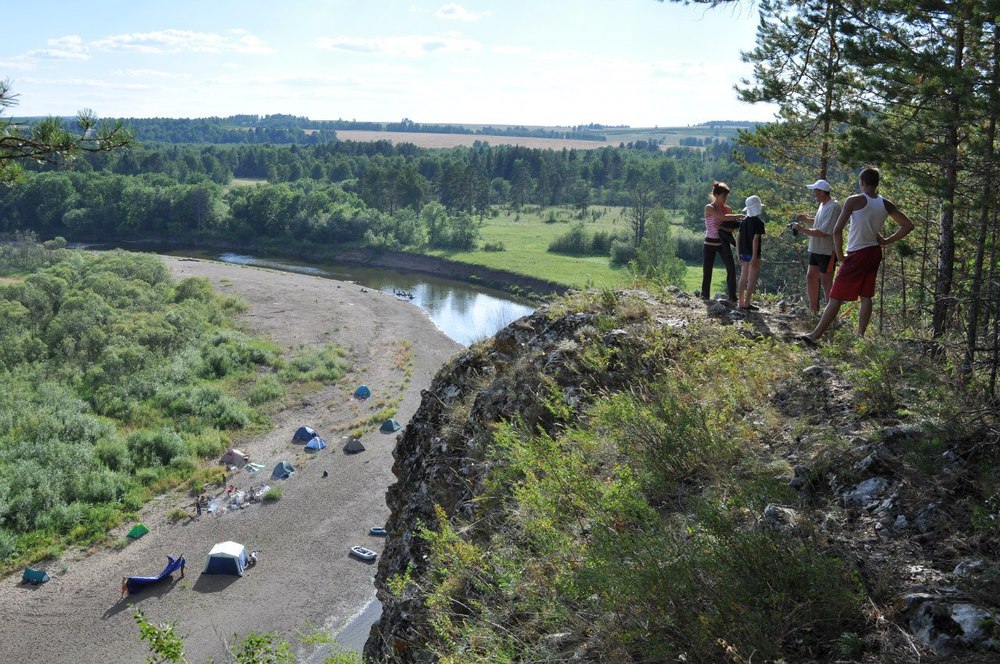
(813, 276)
(751, 283)
(742, 287)
(864, 315)
(826, 280)
(829, 315)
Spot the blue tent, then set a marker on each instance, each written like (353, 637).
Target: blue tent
(362, 392)
(137, 583)
(304, 433)
(282, 471)
(34, 576)
(316, 444)
(389, 426)
(226, 558)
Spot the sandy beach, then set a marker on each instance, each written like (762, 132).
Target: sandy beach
(305, 579)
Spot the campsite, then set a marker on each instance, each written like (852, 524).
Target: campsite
(305, 578)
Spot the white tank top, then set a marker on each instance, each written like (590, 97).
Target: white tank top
(866, 224)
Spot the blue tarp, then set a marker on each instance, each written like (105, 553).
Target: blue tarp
(137, 583)
(316, 444)
(304, 433)
(362, 392)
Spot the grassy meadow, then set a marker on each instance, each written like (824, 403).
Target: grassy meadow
(526, 236)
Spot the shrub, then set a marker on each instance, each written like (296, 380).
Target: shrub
(273, 494)
(177, 514)
(154, 448)
(494, 247)
(113, 453)
(325, 364)
(623, 252)
(194, 288)
(267, 388)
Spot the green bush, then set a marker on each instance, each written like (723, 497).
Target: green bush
(273, 494)
(324, 364)
(158, 447)
(267, 388)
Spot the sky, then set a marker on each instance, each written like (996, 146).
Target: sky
(641, 63)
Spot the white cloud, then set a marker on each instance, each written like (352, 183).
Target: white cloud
(147, 73)
(456, 12)
(70, 47)
(512, 50)
(90, 83)
(406, 45)
(179, 41)
(17, 63)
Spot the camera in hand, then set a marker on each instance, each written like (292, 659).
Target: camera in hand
(791, 226)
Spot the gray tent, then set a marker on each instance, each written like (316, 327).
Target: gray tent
(389, 426)
(282, 471)
(353, 446)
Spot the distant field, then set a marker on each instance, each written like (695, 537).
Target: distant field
(424, 140)
(670, 137)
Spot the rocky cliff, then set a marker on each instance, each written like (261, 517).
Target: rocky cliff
(686, 448)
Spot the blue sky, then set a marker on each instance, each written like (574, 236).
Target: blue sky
(532, 62)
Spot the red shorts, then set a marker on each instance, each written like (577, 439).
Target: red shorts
(857, 275)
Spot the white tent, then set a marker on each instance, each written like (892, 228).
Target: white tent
(226, 558)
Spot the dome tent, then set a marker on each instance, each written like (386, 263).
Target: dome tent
(226, 558)
(316, 444)
(389, 426)
(304, 434)
(362, 392)
(282, 471)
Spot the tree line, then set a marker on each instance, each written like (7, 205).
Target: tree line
(345, 192)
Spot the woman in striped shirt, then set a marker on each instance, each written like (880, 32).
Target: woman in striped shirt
(719, 223)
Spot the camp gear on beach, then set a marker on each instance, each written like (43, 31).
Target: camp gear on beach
(389, 426)
(377, 531)
(316, 444)
(362, 553)
(138, 530)
(34, 576)
(304, 433)
(227, 558)
(234, 457)
(282, 471)
(137, 583)
(362, 392)
(354, 446)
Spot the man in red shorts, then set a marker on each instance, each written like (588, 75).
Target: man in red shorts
(867, 213)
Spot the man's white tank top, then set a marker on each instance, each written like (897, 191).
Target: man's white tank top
(866, 224)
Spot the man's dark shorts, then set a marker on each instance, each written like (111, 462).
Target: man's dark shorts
(823, 262)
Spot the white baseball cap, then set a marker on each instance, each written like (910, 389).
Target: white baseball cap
(820, 184)
(753, 206)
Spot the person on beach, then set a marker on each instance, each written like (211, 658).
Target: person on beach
(751, 234)
(124, 588)
(822, 258)
(867, 213)
(719, 223)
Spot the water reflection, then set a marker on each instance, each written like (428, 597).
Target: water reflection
(465, 313)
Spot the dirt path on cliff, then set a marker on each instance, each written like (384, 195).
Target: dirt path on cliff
(304, 579)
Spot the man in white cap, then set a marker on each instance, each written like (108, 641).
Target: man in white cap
(822, 257)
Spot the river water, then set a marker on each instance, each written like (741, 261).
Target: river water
(464, 312)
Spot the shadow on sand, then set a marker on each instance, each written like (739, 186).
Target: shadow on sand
(133, 600)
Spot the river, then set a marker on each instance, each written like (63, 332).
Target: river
(464, 312)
